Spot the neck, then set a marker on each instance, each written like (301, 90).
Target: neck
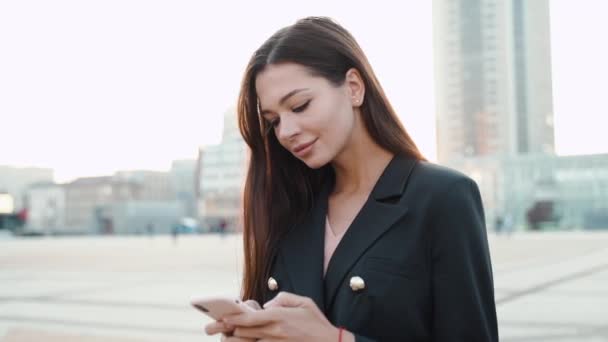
(359, 166)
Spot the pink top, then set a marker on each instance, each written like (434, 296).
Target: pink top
(331, 242)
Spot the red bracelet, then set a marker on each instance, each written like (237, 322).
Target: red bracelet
(341, 329)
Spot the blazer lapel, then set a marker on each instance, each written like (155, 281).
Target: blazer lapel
(382, 209)
(302, 250)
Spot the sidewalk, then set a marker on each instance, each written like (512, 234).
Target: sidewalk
(549, 287)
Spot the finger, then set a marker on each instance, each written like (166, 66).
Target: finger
(218, 327)
(253, 304)
(235, 339)
(286, 299)
(256, 333)
(253, 318)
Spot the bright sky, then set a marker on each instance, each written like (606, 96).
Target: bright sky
(91, 87)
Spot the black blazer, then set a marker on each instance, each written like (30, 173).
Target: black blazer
(420, 245)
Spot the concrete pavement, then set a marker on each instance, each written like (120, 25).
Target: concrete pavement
(549, 286)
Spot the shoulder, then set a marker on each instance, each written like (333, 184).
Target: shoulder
(452, 199)
(436, 179)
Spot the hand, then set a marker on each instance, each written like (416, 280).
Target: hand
(227, 330)
(287, 317)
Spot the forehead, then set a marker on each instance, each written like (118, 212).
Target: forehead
(276, 80)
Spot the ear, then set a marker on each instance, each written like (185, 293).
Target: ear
(355, 87)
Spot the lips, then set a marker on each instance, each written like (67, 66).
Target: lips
(302, 147)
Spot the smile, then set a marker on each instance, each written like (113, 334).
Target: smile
(304, 149)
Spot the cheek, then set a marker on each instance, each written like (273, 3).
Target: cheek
(337, 129)
(337, 116)
(342, 122)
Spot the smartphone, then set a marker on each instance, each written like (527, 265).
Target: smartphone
(219, 307)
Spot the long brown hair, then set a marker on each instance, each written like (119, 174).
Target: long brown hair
(280, 189)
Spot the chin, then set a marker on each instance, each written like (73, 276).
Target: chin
(314, 165)
(314, 162)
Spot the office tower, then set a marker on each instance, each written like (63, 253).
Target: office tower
(492, 78)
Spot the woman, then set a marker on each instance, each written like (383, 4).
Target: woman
(349, 234)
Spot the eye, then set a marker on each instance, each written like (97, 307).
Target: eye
(301, 108)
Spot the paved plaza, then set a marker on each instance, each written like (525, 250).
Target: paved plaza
(549, 286)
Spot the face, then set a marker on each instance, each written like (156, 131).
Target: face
(311, 118)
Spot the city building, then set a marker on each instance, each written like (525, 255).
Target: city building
(139, 216)
(85, 197)
(183, 178)
(556, 192)
(153, 185)
(492, 78)
(222, 174)
(46, 209)
(16, 180)
(7, 203)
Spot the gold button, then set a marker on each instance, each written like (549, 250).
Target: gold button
(272, 284)
(357, 283)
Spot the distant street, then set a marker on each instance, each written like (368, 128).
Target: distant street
(549, 287)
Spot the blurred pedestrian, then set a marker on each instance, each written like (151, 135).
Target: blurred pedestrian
(508, 225)
(175, 233)
(222, 227)
(498, 224)
(150, 229)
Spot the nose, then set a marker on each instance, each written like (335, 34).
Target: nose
(288, 127)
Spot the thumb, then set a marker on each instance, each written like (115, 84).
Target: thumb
(253, 304)
(286, 300)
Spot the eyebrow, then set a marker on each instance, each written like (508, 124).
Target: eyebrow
(285, 98)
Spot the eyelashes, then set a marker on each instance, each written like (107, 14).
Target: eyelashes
(271, 124)
(301, 108)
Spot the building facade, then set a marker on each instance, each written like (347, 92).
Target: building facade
(183, 179)
(222, 173)
(139, 216)
(16, 180)
(492, 78)
(153, 185)
(85, 197)
(46, 209)
(562, 192)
